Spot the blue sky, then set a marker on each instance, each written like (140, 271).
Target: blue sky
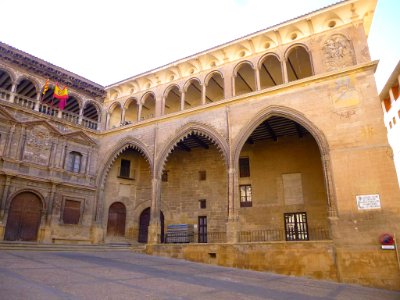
(108, 41)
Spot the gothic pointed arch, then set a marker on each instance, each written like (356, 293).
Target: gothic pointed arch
(298, 117)
(203, 130)
(121, 146)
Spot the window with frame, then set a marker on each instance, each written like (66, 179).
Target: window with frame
(125, 169)
(244, 167)
(71, 212)
(203, 203)
(202, 175)
(245, 195)
(74, 162)
(296, 228)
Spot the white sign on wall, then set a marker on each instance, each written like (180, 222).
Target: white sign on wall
(368, 201)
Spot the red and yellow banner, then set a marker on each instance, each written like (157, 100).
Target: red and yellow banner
(62, 95)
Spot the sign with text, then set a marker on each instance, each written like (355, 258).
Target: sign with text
(368, 202)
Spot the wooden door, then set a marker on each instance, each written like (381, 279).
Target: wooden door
(116, 219)
(24, 218)
(144, 222)
(202, 227)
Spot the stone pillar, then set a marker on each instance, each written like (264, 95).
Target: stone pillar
(107, 125)
(155, 226)
(81, 114)
(123, 116)
(257, 74)
(4, 197)
(203, 94)
(9, 140)
(21, 143)
(284, 71)
(183, 100)
(140, 112)
(96, 230)
(87, 167)
(232, 226)
(12, 94)
(37, 103)
(50, 204)
(59, 114)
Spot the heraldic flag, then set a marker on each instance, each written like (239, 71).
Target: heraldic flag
(62, 95)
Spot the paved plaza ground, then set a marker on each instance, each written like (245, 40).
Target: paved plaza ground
(127, 275)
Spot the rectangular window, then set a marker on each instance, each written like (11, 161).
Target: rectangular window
(244, 167)
(72, 212)
(202, 175)
(74, 162)
(245, 196)
(202, 229)
(202, 203)
(125, 170)
(296, 226)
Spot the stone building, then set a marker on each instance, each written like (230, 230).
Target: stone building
(272, 147)
(391, 109)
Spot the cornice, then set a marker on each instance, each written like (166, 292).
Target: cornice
(48, 70)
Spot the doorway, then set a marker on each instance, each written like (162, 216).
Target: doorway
(144, 222)
(116, 219)
(24, 218)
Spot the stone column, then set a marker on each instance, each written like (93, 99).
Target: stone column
(203, 94)
(107, 125)
(9, 140)
(12, 94)
(140, 112)
(257, 74)
(284, 71)
(4, 197)
(232, 227)
(50, 204)
(37, 103)
(87, 167)
(155, 226)
(81, 114)
(21, 143)
(183, 100)
(123, 116)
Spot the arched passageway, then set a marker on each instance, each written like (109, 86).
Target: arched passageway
(116, 219)
(115, 114)
(127, 184)
(281, 184)
(193, 94)
(245, 79)
(90, 118)
(215, 88)
(131, 111)
(194, 186)
(24, 218)
(270, 71)
(144, 222)
(172, 101)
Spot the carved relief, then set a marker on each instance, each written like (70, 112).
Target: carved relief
(38, 146)
(338, 52)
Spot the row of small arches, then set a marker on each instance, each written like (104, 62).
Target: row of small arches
(270, 72)
(28, 90)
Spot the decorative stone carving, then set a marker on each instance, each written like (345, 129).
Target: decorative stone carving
(38, 146)
(338, 52)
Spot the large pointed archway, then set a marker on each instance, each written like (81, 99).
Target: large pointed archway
(194, 180)
(125, 179)
(283, 190)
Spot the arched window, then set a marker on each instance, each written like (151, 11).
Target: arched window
(270, 72)
(298, 64)
(215, 88)
(90, 116)
(74, 162)
(245, 80)
(131, 111)
(71, 110)
(5, 85)
(115, 115)
(148, 107)
(26, 94)
(193, 94)
(172, 101)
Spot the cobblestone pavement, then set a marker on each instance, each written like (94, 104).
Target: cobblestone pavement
(127, 275)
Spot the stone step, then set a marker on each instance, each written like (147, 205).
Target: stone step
(26, 246)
